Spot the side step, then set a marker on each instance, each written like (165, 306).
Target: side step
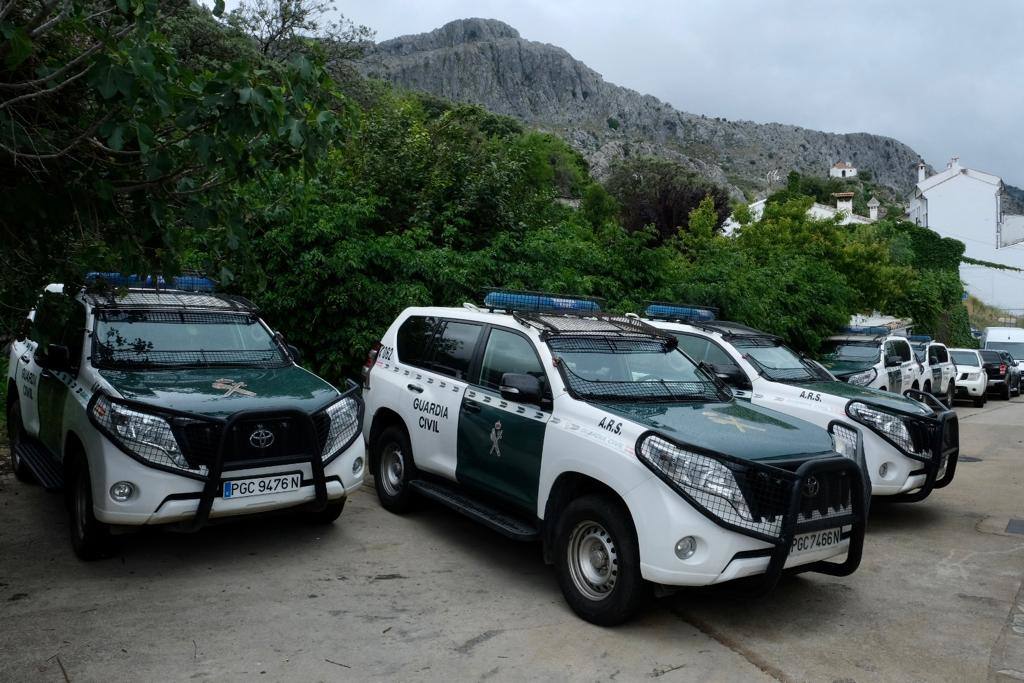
(44, 466)
(505, 524)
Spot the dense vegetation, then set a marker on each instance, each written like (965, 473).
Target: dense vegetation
(335, 203)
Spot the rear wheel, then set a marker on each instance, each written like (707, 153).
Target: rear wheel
(15, 434)
(90, 538)
(950, 394)
(598, 561)
(1006, 391)
(393, 469)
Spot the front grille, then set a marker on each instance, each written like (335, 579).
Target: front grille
(825, 494)
(282, 438)
(199, 440)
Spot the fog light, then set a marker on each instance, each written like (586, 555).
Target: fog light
(686, 547)
(357, 466)
(883, 470)
(122, 491)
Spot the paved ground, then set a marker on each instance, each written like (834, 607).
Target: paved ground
(432, 596)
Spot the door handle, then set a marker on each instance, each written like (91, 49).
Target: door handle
(414, 387)
(471, 407)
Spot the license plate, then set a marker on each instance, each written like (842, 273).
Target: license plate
(261, 486)
(816, 540)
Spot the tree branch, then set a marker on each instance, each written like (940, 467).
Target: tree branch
(45, 92)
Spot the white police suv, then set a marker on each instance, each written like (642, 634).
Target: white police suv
(872, 357)
(910, 446)
(938, 371)
(172, 407)
(544, 419)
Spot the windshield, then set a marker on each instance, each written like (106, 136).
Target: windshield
(780, 363)
(1016, 349)
(861, 353)
(919, 351)
(965, 357)
(632, 369)
(125, 338)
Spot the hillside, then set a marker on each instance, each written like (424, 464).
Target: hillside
(487, 62)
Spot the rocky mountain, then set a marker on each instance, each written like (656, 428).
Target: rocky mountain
(487, 62)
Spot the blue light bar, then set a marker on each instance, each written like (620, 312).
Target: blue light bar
(867, 329)
(683, 312)
(189, 283)
(529, 301)
(920, 338)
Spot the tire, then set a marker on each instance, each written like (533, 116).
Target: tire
(950, 394)
(90, 538)
(328, 515)
(393, 469)
(597, 560)
(979, 402)
(15, 433)
(927, 387)
(1006, 392)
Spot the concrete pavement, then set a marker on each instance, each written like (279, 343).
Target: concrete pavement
(433, 596)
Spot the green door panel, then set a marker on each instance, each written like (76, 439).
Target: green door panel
(499, 448)
(51, 397)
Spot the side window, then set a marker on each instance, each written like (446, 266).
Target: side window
(453, 349)
(74, 333)
(703, 349)
(941, 355)
(509, 352)
(414, 337)
(55, 315)
(903, 351)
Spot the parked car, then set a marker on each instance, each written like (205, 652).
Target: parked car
(971, 378)
(1000, 378)
(1009, 339)
(938, 373)
(173, 407)
(543, 418)
(1013, 370)
(877, 360)
(910, 446)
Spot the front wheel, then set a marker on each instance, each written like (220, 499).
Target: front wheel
(950, 394)
(393, 469)
(90, 538)
(328, 515)
(598, 561)
(979, 402)
(15, 434)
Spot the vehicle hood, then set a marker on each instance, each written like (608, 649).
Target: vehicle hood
(885, 400)
(734, 428)
(208, 391)
(843, 368)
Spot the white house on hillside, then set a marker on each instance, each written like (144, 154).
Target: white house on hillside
(842, 169)
(843, 209)
(967, 205)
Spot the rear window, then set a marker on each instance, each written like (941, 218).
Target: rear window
(453, 349)
(414, 337)
(991, 356)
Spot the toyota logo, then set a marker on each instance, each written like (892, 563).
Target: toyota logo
(811, 487)
(261, 438)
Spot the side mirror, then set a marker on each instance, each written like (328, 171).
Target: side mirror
(294, 352)
(521, 388)
(57, 358)
(732, 375)
(893, 361)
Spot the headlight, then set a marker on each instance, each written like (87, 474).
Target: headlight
(147, 436)
(844, 440)
(862, 379)
(705, 480)
(891, 426)
(344, 423)
(973, 376)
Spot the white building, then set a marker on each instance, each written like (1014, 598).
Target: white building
(843, 210)
(967, 205)
(842, 169)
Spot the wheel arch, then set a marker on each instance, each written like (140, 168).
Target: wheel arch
(382, 419)
(569, 486)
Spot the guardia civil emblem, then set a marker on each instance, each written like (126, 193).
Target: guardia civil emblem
(496, 439)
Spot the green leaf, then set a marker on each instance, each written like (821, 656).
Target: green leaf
(116, 139)
(19, 47)
(218, 8)
(145, 136)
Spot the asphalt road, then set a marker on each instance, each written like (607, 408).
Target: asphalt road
(432, 596)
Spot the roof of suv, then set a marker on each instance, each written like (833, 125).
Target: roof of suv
(168, 299)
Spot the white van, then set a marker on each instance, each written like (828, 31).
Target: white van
(1004, 339)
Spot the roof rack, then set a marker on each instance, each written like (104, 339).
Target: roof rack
(732, 331)
(593, 325)
(515, 301)
(169, 300)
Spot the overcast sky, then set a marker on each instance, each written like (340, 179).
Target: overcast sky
(944, 76)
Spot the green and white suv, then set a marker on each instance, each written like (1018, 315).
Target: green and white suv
(547, 420)
(910, 446)
(173, 407)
